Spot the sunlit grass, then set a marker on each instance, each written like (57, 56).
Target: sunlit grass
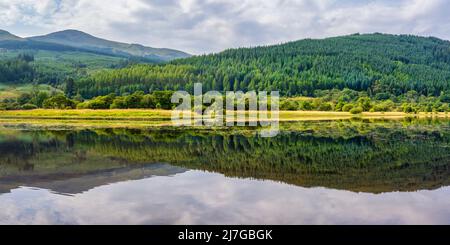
(152, 118)
(9, 91)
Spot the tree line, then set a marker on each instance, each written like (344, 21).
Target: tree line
(376, 64)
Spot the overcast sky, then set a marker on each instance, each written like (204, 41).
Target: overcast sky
(203, 26)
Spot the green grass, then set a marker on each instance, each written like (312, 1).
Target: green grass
(138, 118)
(11, 91)
(136, 114)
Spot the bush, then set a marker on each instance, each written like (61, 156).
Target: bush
(384, 106)
(164, 99)
(409, 108)
(29, 107)
(365, 103)
(348, 107)
(83, 105)
(98, 103)
(325, 107)
(339, 106)
(119, 103)
(444, 108)
(59, 102)
(289, 105)
(306, 105)
(148, 101)
(134, 100)
(356, 110)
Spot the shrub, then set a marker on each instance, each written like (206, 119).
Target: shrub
(134, 100)
(365, 103)
(29, 107)
(119, 103)
(384, 106)
(356, 110)
(148, 101)
(409, 108)
(289, 105)
(59, 102)
(348, 107)
(325, 107)
(83, 105)
(306, 105)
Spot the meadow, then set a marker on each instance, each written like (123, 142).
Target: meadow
(138, 118)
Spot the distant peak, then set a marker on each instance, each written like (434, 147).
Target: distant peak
(70, 32)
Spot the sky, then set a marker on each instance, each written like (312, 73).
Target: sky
(205, 26)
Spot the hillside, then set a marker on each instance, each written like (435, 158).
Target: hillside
(78, 39)
(6, 36)
(378, 64)
(57, 56)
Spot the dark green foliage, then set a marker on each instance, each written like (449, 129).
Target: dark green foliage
(101, 102)
(70, 87)
(289, 105)
(59, 102)
(147, 78)
(357, 110)
(383, 65)
(38, 98)
(156, 100)
(17, 70)
(29, 107)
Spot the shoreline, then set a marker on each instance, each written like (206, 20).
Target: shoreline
(141, 118)
(144, 114)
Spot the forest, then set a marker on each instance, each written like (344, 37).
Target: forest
(372, 72)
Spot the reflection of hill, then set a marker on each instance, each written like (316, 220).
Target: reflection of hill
(74, 183)
(354, 156)
(405, 179)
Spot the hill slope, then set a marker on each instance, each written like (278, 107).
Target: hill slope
(6, 36)
(376, 63)
(78, 39)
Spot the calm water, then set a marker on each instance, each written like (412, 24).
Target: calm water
(344, 172)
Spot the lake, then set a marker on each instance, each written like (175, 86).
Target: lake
(330, 172)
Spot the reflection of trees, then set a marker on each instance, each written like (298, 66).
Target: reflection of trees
(357, 156)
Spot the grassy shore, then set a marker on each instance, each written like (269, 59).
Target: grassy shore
(144, 118)
(88, 114)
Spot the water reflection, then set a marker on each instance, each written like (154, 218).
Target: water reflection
(341, 172)
(203, 198)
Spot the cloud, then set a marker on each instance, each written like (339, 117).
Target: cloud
(205, 198)
(202, 26)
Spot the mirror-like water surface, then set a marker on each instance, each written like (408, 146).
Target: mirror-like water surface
(341, 172)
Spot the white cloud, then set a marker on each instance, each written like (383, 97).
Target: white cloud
(204, 198)
(200, 26)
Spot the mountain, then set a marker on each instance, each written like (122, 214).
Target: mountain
(81, 40)
(6, 36)
(73, 182)
(379, 64)
(77, 41)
